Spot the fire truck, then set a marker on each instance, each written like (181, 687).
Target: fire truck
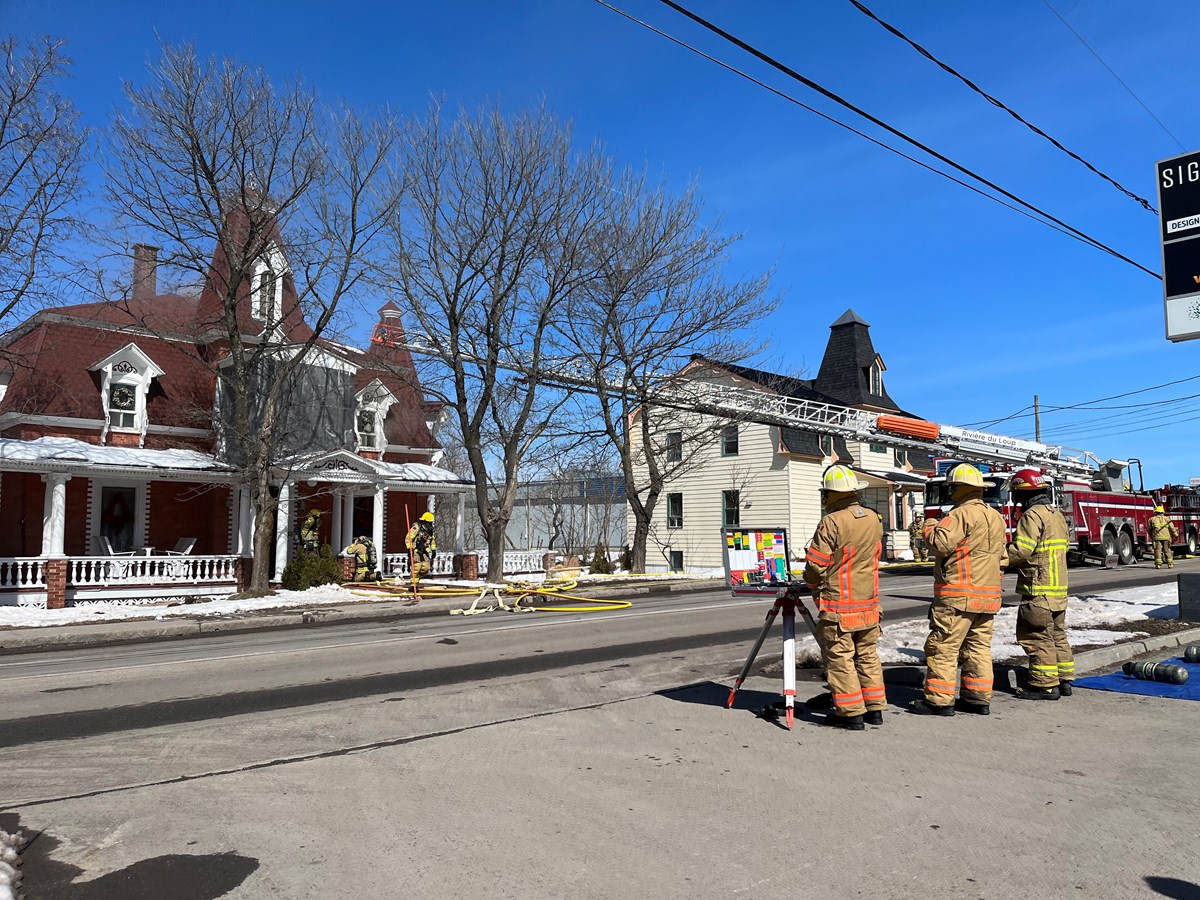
(1108, 517)
(1105, 514)
(1182, 506)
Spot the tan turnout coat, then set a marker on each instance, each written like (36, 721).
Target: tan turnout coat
(969, 545)
(843, 565)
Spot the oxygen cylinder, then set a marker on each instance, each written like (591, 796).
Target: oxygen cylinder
(1152, 671)
(1192, 653)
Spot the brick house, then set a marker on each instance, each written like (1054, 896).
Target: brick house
(112, 452)
(758, 475)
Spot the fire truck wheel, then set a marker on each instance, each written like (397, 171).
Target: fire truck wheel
(1125, 548)
(1110, 542)
(1191, 542)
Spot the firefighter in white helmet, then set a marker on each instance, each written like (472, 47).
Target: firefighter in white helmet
(843, 572)
(1162, 533)
(969, 551)
(1039, 554)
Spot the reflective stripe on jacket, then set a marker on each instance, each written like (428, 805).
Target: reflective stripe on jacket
(1160, 528)
(968, 544)
(1039, 552)
(843, 566)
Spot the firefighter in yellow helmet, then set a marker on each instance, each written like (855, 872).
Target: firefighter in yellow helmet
(969, 551)
(366, 559)
(916, 540)
(1039, 554)
(1162, 534)
(310, 531)
(842, 569)
(421, 545)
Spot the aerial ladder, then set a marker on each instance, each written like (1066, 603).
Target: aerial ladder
(725, 401)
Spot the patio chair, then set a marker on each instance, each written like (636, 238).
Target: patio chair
(103, 547)
(183, 547)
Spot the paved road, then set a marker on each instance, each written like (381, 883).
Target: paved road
(545, 755)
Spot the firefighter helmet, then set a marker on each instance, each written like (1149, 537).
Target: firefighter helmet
(841, 479)
(1158, 509)
(426, 517)
(1029, 480)
(967, 474)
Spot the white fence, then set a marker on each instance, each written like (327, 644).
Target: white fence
(396, 565)
(107, 571)
(24, 580)
(516, 562)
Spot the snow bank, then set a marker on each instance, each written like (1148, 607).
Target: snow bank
(10, 864)
(1087, 614)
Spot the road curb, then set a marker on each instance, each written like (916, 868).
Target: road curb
(1103, 657)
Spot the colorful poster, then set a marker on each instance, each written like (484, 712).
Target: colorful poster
(756, 560)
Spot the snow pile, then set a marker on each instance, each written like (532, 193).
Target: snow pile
(904, 642)
(10, 865)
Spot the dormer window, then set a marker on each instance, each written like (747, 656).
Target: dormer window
(876, 377)
(266, 286)
(374, 401)
(125, 379)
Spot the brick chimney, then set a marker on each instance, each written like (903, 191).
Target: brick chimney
(145, 271)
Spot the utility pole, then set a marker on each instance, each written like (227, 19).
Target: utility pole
(1037, 420)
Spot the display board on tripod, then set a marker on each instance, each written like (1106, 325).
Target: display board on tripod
(757, 560)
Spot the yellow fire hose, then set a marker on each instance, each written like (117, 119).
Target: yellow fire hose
(553, 590)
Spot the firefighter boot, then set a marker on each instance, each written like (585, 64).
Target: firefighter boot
(979, 709)
(1036, 693)
(924, 708)
(850, 723)
(821, 701)
(873, 717)
(1065, 689)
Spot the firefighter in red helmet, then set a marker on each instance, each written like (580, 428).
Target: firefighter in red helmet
(1039, 554)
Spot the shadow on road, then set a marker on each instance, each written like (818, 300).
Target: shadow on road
(1173, 887)
(178, 876)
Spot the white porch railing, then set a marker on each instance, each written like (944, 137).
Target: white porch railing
(396, 565)
(22, 573)
(516, 562)
(107, 571)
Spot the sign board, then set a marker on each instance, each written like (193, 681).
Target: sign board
(1194, 481)
(756, 560)
(1179, 219)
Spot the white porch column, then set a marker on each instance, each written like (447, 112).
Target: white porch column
(245, 531)
(335, 526)
(347, 519)
(283, 522)
(54, 515)
(460, 525)
(377, 520)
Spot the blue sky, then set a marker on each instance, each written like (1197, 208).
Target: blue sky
(973, 307)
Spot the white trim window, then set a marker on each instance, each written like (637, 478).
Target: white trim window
(125, 379)
(266, 286)
(371, 408)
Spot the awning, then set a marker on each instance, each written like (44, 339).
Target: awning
(903, 481)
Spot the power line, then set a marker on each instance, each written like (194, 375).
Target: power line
(825, 92)
(1154, 387)
(1092, 50)
(840, 124)
(992, 100)
(990, 422)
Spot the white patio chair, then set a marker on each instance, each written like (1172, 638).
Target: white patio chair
(183, 547)
(103, 547)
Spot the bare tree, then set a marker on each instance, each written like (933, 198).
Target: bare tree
(293, 196)
(41, 147)
(661, 293)
(493, 241)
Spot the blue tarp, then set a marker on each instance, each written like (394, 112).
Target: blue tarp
(1125, 684)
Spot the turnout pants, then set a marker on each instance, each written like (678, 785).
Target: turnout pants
(1162, 554)
(420, 564)
(1042, 634)
(853, 668)
(955, 634)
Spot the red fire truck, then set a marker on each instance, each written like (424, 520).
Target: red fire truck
(1182, 506)
(1106, 516)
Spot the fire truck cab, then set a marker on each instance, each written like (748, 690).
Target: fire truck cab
(1105, 515)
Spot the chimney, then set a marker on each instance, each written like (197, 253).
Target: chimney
(145, 271)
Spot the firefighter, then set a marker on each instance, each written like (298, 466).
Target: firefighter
(366, 560)
(917, 540)
(969, 552)
(1162, 534)
(421, 545)
(310, 531)
(842, 571)
(1039, 554)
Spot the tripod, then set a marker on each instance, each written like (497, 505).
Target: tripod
(787, 601)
